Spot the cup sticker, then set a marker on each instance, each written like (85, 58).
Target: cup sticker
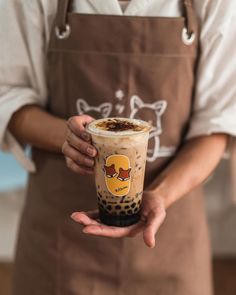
(117, 172)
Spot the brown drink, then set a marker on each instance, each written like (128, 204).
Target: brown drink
(119, 167)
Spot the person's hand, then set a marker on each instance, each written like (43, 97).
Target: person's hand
(77, 149)
(152, 216)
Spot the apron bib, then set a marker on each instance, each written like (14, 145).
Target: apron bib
(126, 66)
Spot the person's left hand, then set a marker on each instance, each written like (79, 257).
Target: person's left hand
(152, 216)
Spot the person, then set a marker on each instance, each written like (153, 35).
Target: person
(64, 63)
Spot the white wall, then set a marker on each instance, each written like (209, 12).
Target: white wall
(11, 204)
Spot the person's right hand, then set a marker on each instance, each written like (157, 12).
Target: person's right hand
(77, 149)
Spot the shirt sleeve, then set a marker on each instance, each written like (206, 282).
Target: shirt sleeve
(22, 66)
(215, 97)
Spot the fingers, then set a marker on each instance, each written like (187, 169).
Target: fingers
(91, 214)
(78, 169)
(103, 230)
(86, 218)
(80, 144)
(78, 157)
(154, 220)
(77, 149)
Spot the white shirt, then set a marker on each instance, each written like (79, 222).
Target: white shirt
(25, 27)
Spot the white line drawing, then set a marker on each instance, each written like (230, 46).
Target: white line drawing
(104, 109)
(159, 107)
(119, 108)
(119, 94)
(136, 104)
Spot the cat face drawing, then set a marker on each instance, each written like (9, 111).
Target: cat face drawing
(154, 112)
(97, 112)
(124, 175)
(110, 171)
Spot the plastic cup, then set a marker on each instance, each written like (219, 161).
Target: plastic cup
(119, 168)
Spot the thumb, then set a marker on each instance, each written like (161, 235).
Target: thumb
(77, 123)
(154, 220)
(86, 119)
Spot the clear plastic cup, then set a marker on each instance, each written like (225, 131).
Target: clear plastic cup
(119, 167)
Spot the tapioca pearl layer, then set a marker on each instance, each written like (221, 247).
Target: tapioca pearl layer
(119, 209)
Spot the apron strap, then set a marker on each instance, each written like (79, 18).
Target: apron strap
(189, 16)
(63, 6)
(62, 28)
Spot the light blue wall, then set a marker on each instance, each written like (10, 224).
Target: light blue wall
(12, 175)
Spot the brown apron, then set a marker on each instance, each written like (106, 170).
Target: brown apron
(103, 65)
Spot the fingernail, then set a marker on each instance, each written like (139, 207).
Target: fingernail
(152, 245)
(85, 231)
(91, 151)
(89, 162)
(73, 215)
(85, 136)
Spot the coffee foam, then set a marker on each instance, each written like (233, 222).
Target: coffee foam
(118, 127)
